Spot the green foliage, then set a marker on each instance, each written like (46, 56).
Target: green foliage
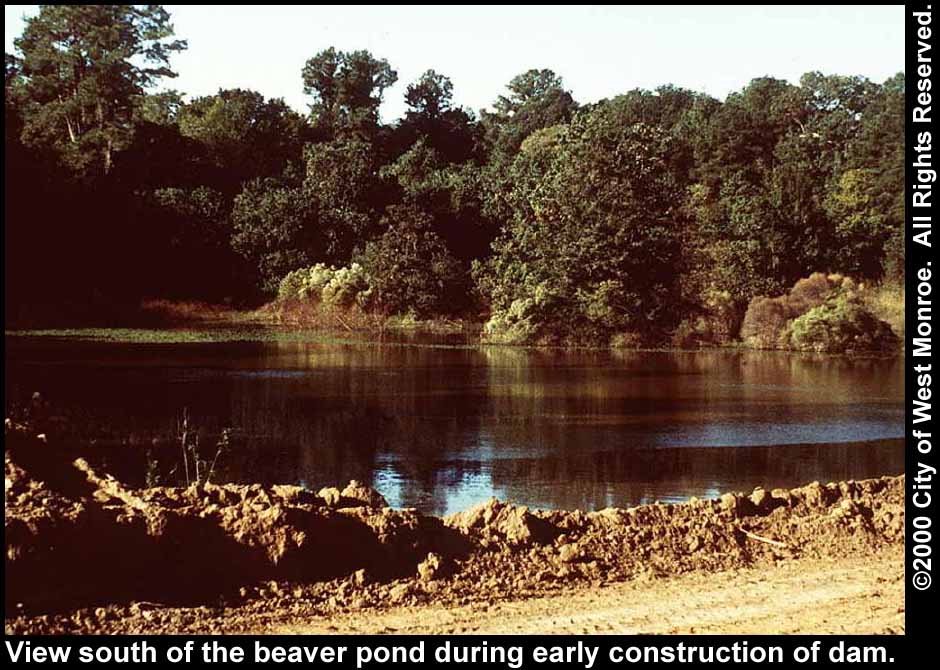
(275, 227)
(341, 183)
(824, 313)
(767, 318)
(244, 136)
(451, 198)
(715, 321)
(765, 321)
(734, 246)
(655, 216)
(282, 224)
(527, 319)
(347, 90)
(161, 108)
(83, 68)
(432, 119)
(198, 211)
(877, 149)
(430, 97)
(347, 286)
(840, 325)
(887, 303)
(588, 252)
(789, 179)
(321, 284)
(406, 270)
(537, 99)
(410, 268)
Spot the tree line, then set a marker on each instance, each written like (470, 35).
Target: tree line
(623, 220)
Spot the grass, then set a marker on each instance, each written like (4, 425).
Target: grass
(158, 312)
(328, 318)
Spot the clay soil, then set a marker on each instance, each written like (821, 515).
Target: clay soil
(84, 554)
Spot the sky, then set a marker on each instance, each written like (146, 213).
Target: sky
(598, 51)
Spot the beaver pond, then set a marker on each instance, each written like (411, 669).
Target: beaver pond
(441, 427)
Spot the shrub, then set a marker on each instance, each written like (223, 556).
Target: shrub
(626, 340)
(820, 313)
(840, 325)
(408, 270)
(274, 226)
(318, 278)
(291, 287)
(815, 290)
(346, 287)
(321, 284)
(516, 325)
(767, 318)
(527, 320)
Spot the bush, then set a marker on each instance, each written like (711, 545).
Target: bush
(887, 303)
(274, 227)
(540, 315)
(840, 325)
(815, 290)
(346, 287)
(292, 286)
(322, 284)
(767, 318)
(407, 271)
(820, 313)
(523, 321)
(626, 340)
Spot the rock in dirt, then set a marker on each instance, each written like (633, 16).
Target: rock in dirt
(431, 568)
(495, 522)
(569, 553)
(360, 578)
(366, 495)
(330, 495)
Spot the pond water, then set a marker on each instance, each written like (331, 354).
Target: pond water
(440, 428)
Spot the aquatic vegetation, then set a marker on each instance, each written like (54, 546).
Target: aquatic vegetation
(176, 335)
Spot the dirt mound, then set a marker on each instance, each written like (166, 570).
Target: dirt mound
(354, 495)
(495, 523)
(191, 545)
(93, 547)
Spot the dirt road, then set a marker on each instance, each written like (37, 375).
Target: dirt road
(860, 596)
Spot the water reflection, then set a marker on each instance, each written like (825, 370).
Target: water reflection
(440, 428)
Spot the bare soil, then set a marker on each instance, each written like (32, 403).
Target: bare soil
(87, 555)
(862, 595)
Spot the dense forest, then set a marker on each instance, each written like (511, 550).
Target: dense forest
(651, 217)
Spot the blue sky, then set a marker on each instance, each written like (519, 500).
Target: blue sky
(599, 51)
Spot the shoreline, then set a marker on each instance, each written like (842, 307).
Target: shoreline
(245, 557)
(224, 332)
